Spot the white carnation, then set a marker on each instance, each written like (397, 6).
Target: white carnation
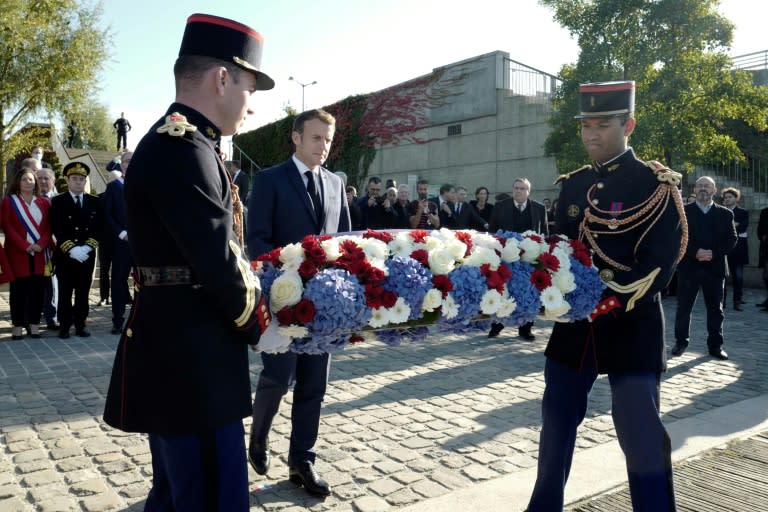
(450, 308)
(291, 256)
(511, 251)
(432, 242)
(457, 248)
(491, 302)
(401, 246)
(482, 255)
(562, 256)
(486, 240)
(506, 308)
(564, 280)
(379, 317)
(293, 331)
(554, 303)
(376, 249)
(331, 248)
(286, 291)
(531, 250)
(400, 312)
(432, 300)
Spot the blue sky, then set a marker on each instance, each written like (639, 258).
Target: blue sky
(347, 46)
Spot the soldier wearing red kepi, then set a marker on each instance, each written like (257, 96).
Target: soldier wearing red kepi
(181, 370)
(629, 213)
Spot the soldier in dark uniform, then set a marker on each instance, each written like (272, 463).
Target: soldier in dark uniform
(181, 369)
(77, 221)
(123, 127)
(630, 214)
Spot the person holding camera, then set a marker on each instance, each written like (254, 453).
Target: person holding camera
(377, 211)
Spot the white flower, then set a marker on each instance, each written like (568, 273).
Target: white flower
(293, 331)
(331, 248)
(401, 245)
(450, 308)
(482, 255)
(444, 234)
(457, 248)
(441, 261)
(375, 249)
(486, 240)
(531, 250)
(564, 280)
(553, 302)
(379, 317)
(491, 302)
(400, 312)
(285, 291)
(511, 251)
(291, 256)
(507, 307)
(432, 300)
(562, 256)
(432, 242)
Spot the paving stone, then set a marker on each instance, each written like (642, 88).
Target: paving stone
(370, 504)
(39, 478)
(7, 491)
(479, 472)
(13, 505)
(88, 487)
(102, 502)
(60, 504)
(129, 477)
(385, 487)
(72, 464)
(29, 455)
(32, 466)
(136, 490)
(429, 489)
(19, 435)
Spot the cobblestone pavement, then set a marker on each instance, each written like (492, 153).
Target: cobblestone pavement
(399, 425)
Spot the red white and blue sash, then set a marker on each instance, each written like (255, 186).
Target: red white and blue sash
(28, 221)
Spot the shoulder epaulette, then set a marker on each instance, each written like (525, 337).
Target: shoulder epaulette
(176, 125)
(664, 174)
(568, 175)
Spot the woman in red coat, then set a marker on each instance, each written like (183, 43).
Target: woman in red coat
(24, 215)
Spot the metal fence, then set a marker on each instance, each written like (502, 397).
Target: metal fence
(750, 177)
(751, 61)
(527, 81)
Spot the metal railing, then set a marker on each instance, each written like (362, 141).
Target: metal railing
(527, 81)
(247, 163)
(752, 175)
(751, 61)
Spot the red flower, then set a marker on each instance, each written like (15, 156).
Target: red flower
(372, 275)
(373, 296)
(535, 238)
(313, 250)
(465, 237)
(583, 258)
(356, 338)
(307, 270)
(285, 316)
(419, 235)
(495, 282)
(272, 256)
(442, 283)
(549, 262)
(388, 299)
(379, 235)
(485, 269)
(541, 279)
(304, 311)
(323, 238)
(422, 256)
(504, 272)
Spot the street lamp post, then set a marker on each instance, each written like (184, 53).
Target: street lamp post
(302, 89)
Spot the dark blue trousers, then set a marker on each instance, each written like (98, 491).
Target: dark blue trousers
(121, 268)
(309, 376)
(199, 473)
(711, 285)
(641, 435)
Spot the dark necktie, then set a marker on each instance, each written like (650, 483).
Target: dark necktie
(314, 195)
(458, 208)
(77, 202)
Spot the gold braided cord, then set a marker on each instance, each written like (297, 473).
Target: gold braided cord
(649, 210)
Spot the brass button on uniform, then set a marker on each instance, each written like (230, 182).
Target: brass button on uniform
(600, 185)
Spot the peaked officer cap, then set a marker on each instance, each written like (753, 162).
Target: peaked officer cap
(227, 40)
(606, 99)
(76, 168)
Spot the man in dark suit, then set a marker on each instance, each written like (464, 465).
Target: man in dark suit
(711, 236)
(181, 371)
(117, 226)
(77, 222)
(518, 214)
(625, 337)
(289, 201)
(242, 180)
(739, 256)
(122, 126)
(762, 237)
(465, 216)
(445, 202)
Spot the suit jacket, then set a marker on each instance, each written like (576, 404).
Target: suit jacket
(723, 235)
(740, 254)
(280, 211)
(243, 182)
(16, 242)
(447, 220)
(502, 216)
(631, 337)
(181, 365)
(115, 212)
(467, 218)
(74, 226)
(762, 236)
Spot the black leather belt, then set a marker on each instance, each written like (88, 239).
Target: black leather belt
(165, 276)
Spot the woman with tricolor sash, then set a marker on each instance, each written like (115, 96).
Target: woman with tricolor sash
(24, 216)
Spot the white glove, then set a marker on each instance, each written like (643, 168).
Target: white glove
(86, 250)
(78, 253)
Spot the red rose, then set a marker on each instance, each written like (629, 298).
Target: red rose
(272, 256)
(422, 256)
(549, 262)
(541, 279)
(465, 237)
(442, 283)
(307, 270)
(285, 316)
(388, 299)
(304, 311)
(419, 235)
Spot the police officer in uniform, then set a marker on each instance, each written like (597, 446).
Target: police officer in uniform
(77, 220)
(181, 369)
(629, 213)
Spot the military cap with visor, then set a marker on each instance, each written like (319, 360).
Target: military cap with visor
(228, 40)
(76, 168)
(606, 99)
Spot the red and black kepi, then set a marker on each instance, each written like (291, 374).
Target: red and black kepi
(606, 99)
(228, 40)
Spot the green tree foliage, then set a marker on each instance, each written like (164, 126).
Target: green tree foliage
(94, 126)
(51, 52)
(688, 94)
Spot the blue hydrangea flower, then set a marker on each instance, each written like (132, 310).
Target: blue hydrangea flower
(410, 280)
(589, 290)
(525, 294)
(469, 285)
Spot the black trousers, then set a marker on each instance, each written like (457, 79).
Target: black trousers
(688, 285)
(121, 267)
(26, 300)
(105, 262)
(122, 136)
(74, 277)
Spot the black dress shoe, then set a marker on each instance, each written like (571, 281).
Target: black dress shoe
(16, 337)
(64, 334)
(495, 330)
(52, 326)
(719, 354)
(258, 455)
(679, 349)
(304, 474)
(763, 304)
(83, 333)
(526, 335)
